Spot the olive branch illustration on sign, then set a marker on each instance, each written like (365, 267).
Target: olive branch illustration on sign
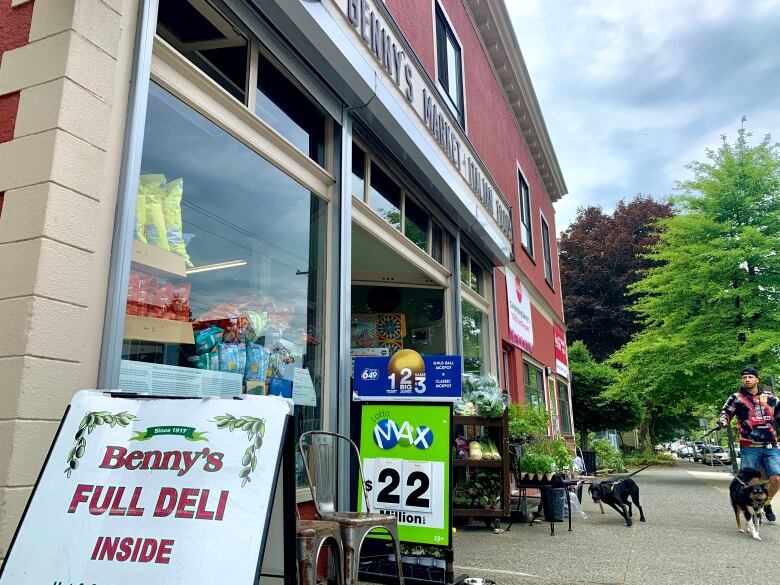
(255, 431)
(88, 424)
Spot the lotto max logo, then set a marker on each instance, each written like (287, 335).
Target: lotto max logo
(370, 374)
(387, 434)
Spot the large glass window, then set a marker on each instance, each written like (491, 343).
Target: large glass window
(226, 292)
(563, 399)
(526, 236)
(547, 254)
(534, 385)
(416, 224)
(358, 172)
(473, 322)
(449, 65)
(384, 196)
(471, 273)
(289, 111)
(553, 404)
(207, 39)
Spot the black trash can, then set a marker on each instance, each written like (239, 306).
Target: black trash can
(553, 504)
(589, 460)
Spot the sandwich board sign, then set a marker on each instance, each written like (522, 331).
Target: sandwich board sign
(145, 490)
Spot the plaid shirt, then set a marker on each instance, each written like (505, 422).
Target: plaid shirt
(756, 416)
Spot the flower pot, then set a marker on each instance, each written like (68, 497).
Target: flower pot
(409, 559)
(425, 561)
(440, 563)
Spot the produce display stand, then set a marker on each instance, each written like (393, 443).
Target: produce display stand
(498, 430)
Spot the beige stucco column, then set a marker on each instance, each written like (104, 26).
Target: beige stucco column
(60, 177)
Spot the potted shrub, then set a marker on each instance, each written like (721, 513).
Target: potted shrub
(536, 466)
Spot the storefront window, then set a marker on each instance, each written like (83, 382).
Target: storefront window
(416, 224)
(534, 385)
(553, 405)
(397, 318)
(385, 197)
(470, 272)
(290, 112)
(208, 40)
(563, 397)
(473, 339)
(358, 172)
(226, 290)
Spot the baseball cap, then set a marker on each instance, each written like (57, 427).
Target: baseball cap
(751, 371)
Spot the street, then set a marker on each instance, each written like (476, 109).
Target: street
(690, 537)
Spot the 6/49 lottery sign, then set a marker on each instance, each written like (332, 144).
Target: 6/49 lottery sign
(405, 451)
(408, 376)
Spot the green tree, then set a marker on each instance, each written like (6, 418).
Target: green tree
(712, 303)
(595, 408)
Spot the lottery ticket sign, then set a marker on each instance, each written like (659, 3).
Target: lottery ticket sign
(405, 451)
(408, 376)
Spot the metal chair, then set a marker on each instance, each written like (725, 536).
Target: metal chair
(323, 478)
(311, 536)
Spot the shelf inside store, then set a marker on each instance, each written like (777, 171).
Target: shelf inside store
(158, 330)
(156, 261)
(477, 421)
(477, 463)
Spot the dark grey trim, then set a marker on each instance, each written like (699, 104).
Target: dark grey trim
(124, 222)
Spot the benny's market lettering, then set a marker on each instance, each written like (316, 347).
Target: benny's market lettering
(393, 60)
(183, 503)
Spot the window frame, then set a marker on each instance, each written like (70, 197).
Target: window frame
(524, 196)
(567, 425)
(546, 251)
(538, 391)
(458, 110)
(406, 192)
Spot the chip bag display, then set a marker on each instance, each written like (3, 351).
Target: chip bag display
(256, 362)
(232, 357)
(140, 216)
(153, 189)
(207, 339)
(171, 207)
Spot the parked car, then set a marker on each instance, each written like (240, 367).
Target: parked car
(685, 452)
(715, 456)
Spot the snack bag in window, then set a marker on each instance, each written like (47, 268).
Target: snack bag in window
(207, 339)
(165, 297)
(181, 300)
(140, 216)
(171, 206)
(228, 357)
(154, 190)
(256, 362)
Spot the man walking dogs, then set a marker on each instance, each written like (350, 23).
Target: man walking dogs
(757, 412)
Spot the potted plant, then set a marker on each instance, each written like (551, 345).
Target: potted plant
(536, 466)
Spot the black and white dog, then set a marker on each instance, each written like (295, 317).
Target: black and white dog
(616, 492)
(748, 497)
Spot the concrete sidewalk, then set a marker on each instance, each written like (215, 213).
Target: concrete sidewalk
(690, 537)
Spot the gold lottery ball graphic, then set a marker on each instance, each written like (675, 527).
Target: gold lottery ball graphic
(406, 359)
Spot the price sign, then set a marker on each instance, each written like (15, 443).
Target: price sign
(405, 451)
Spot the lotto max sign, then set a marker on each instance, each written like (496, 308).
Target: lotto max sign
(408, 376)
(388, 434)
(405, 451)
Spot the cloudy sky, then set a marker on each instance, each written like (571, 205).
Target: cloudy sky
(633, 90)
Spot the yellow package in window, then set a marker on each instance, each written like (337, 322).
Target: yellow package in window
(153, 187)
(140, 216)
(171, 206)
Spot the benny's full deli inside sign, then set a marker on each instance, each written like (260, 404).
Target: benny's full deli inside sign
(152, 491)
(405, 452)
